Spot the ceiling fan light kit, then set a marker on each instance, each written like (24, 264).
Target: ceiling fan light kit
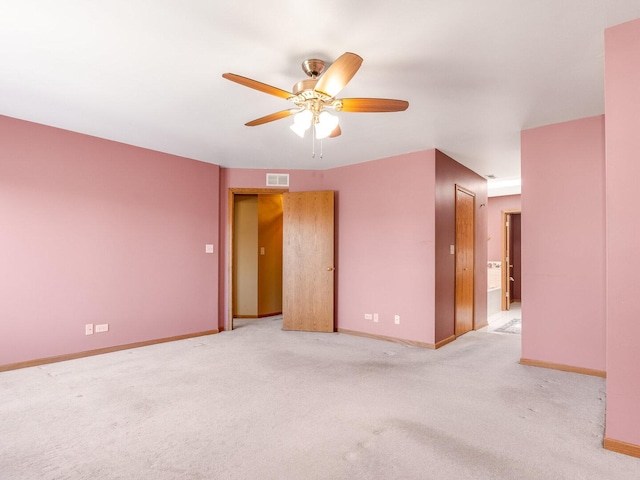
(324, 124)
(301, 122)
(315, 96)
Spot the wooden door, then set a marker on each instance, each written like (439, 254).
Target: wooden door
(464, 260)
(515, 259)
(507, 264)
(308, 269)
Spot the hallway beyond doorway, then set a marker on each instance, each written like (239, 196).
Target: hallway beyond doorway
(499, 319)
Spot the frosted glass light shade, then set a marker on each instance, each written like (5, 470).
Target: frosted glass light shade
(325, 125)
(302, 122)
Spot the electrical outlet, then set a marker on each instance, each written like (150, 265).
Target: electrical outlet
(396, 319)
(103, 327)
(88, 329)
(375, 317)
(368, 316)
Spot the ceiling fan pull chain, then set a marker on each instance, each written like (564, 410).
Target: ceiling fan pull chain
(313, 141)
(320, 149)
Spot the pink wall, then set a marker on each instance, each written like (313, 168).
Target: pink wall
(376, 232)
(100, 232)
(94, 231)
(385, 250)
(622, 107)
(495, 207)
(563, 244)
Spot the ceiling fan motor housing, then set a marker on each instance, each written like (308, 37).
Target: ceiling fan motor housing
(313, 67)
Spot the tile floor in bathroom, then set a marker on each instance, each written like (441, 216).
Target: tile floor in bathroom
(499, 319)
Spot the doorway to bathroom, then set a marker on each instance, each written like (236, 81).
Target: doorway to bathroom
(511, 258)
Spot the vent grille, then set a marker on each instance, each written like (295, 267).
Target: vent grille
(277, 179)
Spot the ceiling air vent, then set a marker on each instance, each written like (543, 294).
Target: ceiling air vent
(277, 179)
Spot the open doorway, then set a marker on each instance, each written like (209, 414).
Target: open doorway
(304, 290)
(511, 258)
(504, 211)
(255, 247)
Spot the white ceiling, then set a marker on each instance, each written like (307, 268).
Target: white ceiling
(148, 73)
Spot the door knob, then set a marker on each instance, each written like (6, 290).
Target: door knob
(330, 269)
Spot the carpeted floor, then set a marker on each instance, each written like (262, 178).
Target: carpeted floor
(262, 403)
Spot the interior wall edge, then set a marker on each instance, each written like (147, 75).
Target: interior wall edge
(385, 338)
(619, 446)
(564, 368)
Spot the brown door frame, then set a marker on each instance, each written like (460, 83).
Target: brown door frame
(506, 272)
(230, 228)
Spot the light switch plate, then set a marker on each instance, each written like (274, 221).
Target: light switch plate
(208, 248)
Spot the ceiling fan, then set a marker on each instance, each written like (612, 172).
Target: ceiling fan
(314, 97)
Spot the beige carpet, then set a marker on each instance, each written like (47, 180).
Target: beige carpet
(261, 403)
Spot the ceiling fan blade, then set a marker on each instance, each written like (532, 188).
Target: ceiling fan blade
(339, 74)
(336, 132)
(263, 87)
(272, 117)
(372, 105)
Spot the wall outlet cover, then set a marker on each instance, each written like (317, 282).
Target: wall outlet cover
(104, 327)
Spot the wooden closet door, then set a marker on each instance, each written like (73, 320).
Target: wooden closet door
(464, 260)
(308, 256)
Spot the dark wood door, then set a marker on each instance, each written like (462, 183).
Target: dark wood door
(515, 263)
(308, 256)
(464, 260)
(506, 268)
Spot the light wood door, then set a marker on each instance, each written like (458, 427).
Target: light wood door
(308, 256)
(464, 260)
